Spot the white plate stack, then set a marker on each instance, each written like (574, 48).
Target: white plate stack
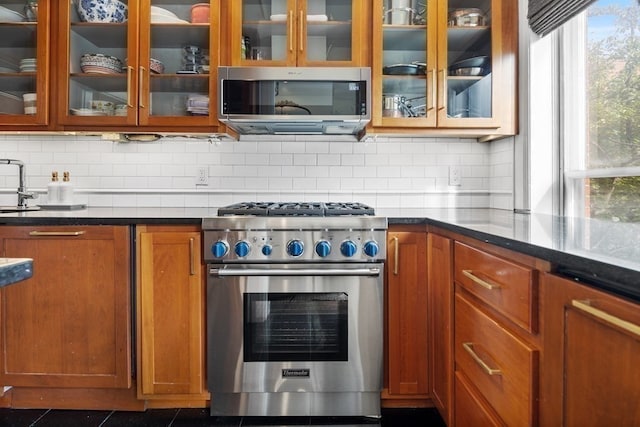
(198, 105)
(28, 65)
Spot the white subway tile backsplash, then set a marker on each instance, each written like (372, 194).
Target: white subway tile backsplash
(386, 172)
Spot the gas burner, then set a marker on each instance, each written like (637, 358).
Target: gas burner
(296, 209)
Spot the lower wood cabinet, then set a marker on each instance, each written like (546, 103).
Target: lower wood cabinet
(440, 308)
(69, 326)
(592, 357)
(171, 316)
(406, 373)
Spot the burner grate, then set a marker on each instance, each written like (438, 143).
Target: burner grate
(296, 209)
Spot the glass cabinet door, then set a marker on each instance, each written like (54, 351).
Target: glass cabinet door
(138, 63)
(405, 92)
(176, 53)
(440, 64)
(469, 64)
(290, 32)
(98, 78)
(24, 62)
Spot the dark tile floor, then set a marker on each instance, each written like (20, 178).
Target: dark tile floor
(200, 417)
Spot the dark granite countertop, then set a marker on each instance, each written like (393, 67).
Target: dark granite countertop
(606, 254)
(13, 270)
(601, 253)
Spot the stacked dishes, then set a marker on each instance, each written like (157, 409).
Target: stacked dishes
(193, 61)
(111, 11)
(198, 105)
(99, 63)
(28, 65)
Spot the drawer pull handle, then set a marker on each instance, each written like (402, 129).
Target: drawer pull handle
(606, 317)
(468, 346)
(479, 281)
(56, 233)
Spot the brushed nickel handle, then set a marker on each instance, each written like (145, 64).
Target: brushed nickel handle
(140, 81)
(468, 346)
(606, 317)
(479, 281)
(396, 255)
(291, 31)
(301, 28)
(57, 233)
(192, 267)
(129, 86)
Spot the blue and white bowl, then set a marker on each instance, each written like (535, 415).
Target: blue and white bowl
(111, 11)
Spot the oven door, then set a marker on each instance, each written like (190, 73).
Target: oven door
(295, 328)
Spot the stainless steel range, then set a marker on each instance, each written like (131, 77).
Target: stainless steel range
(294, 309)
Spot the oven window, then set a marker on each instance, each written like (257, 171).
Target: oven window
(283, 327)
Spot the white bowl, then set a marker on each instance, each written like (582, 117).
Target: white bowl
(110, 11)
(155, 10)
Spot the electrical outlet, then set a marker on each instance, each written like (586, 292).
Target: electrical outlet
(202, 178)
(455, 178)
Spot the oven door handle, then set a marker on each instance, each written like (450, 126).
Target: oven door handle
(229, 272)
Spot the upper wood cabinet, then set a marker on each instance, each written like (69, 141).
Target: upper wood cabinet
(175, 94)
(299, 32)
(24, 65)
(447, 65)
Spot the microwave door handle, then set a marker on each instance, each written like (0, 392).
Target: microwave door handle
(229, 272)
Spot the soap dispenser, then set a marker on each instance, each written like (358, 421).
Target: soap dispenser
(53, 189)
(66, 189)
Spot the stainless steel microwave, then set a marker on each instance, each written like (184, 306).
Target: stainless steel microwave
(295, 100)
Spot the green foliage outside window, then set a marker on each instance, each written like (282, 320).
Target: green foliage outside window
(613, 67)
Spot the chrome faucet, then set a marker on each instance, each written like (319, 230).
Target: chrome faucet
(23, 194)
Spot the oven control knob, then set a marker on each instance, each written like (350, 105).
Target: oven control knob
(371, 248)
(242, 249)
(219, 249)
(267, 249)
(323, 248)
(295, 247)
(348, 248)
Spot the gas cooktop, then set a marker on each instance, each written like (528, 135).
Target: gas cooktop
(296, 209)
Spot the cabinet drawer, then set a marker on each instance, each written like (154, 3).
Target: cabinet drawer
(510, 288)
(497, 363)
(470, 411)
